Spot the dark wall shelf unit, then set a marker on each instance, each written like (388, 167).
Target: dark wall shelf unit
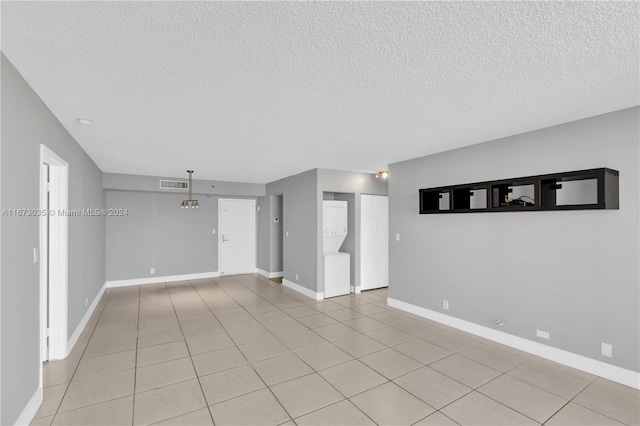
(577, 190)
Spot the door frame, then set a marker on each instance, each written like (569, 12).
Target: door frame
(254, 228)
(57, 254)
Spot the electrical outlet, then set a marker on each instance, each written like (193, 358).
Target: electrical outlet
(213, 231)
(286, 233)
(152, 271)
(86, 302)
(543, 334)
(296, 277)
(445, 304)
(397, 237)
(606, 349)
(35, 255)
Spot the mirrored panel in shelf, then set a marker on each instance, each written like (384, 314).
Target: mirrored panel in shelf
(569, 191)
(472, 197)
(435, 201)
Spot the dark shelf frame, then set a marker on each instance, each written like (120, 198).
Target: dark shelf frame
(544, 190)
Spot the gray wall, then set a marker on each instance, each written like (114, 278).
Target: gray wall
(344, 182)
(26, 123)
(571, 273)
(264, 234)
(299, 218)
(158, 234)
(277, 236)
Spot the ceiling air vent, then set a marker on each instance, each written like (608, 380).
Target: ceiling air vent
(174, 184)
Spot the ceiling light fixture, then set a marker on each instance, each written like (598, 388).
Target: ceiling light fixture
(383, 174)
(84, 121)
(190, 202)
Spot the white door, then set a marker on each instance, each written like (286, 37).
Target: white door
(237, 230)
(374, 241)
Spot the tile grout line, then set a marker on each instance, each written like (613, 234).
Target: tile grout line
(190, 356)
(79, 360)
(135, 372)
(250, 365)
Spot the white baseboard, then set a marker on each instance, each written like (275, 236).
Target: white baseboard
(270, 274)
(30, 410)
(303, 290)
(85, 319)
(590, 365)
(165, 279)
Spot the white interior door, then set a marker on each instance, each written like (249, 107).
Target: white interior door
(374, 241)
(383, 241)
(237, 230)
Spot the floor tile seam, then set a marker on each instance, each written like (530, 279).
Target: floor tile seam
(595, 411)
(93, 404)
(390, 346)
(437, 411)
(335, 403)
(135, 373)
(482, 363)
(362, 356)
(456, 380)
(537, 360)
(248, 363)
(193, 365)
(160, 362)
(442, 347)
(541, 388)
(102, 375)
(163, 343)
(261, 379)
(175, 417)
(80, 360)
(512, 408)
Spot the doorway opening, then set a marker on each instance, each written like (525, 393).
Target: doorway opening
(53, 255)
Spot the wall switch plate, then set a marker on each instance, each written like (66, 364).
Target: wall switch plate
(397, 237)
(543, 334)
(35, 255)
(296, 277)
(606, 349)
(286, 233)
(445, 305)
(86, 302)
(213, 231)
(152, 271)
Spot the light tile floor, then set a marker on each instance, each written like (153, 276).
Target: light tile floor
(245, 350)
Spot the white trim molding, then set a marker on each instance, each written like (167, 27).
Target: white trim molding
(165, 279)
(593, 366)
(30, 410)
(303, 290)
(56, 253)
(270, 274)
(85, 319)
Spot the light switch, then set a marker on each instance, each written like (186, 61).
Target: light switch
(35, 255)
(397, 237)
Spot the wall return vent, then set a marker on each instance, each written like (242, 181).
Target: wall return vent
(173, 184)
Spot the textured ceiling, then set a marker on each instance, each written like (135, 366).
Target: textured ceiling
(256, 91)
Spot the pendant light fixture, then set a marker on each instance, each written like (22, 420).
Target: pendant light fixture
(190, 202)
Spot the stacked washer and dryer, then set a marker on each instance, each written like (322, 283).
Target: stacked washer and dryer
(337, 265)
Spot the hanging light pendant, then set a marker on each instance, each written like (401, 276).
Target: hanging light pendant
(190, 202)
